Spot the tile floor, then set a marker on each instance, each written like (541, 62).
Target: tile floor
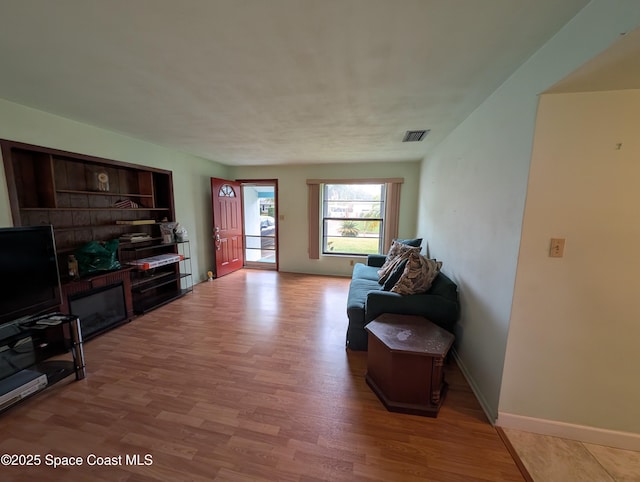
(553, 459)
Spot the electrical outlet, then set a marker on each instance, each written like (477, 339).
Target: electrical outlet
(556, 249)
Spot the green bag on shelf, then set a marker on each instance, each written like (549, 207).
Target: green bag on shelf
(95, 256)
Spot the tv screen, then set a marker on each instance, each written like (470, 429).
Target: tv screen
(29, 268)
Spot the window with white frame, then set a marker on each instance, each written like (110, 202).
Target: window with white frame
(353, 218)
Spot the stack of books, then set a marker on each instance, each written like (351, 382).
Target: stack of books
(134, 237)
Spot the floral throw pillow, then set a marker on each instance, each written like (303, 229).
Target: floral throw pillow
(418, 275)
(397, 253)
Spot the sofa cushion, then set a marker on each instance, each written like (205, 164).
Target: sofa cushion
(418, 275)
(358, 289)
(444, 287)
(376, 260)
(397, 253)
(361, 271)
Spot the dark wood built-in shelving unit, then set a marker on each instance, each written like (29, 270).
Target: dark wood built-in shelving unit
(157, 286)
(76, 193)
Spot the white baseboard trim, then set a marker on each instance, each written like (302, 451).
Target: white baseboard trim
(581, 433)
(491, 417)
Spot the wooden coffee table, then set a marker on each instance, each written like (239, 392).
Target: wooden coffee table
(405, 363)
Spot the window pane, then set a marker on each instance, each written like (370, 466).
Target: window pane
(351, 236)
(353, 192)
(353, 201)
(356, 209)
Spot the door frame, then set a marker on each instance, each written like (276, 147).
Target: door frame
(263, 182)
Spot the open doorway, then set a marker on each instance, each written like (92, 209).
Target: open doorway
(260, 218)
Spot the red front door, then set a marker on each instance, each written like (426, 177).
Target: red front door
(227, 225)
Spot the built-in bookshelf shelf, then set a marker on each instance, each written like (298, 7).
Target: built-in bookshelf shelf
(95, 209)
(87, 198)
(103, 193)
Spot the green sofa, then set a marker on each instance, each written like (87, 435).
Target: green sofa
(367, 300)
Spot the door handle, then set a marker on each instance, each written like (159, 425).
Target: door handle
(217, 238)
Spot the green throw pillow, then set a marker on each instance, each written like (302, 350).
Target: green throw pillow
(417, 242)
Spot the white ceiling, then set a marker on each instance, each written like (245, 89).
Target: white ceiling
(248, 82)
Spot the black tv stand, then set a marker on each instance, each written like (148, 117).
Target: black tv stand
(26, 351)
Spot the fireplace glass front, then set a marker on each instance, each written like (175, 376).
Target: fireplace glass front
(99, 310)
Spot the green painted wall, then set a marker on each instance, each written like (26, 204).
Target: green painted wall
(292, 191)
(190, 174)
(472, 196)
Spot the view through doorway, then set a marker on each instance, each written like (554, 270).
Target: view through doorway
(260, 217)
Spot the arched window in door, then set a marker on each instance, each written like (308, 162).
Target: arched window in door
(226, 191)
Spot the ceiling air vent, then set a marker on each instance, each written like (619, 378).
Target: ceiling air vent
(414, 136)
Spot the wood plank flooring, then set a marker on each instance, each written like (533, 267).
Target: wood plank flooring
(246, 379)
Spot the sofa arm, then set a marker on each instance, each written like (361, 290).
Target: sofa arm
(441, 311)
(376, 260)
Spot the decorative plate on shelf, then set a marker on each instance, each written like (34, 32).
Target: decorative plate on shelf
(102, 180)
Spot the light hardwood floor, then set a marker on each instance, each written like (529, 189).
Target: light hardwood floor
(246, 379)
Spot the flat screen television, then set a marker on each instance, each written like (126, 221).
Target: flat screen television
(29, 268)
